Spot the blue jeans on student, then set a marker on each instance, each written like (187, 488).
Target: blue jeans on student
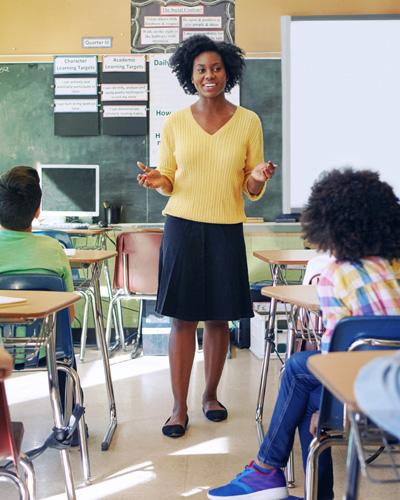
(298, 398)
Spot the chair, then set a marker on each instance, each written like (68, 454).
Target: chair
(64, 347)
(81, 285)
(18, 469)
(135, 276)
(353, 333)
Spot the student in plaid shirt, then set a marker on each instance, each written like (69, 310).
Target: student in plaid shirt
(355, 217)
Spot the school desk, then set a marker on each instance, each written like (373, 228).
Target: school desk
(44, 305)
(278, 261)
(341, 384)
(95, 259)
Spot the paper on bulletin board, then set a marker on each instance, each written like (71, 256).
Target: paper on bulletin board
(166, 96)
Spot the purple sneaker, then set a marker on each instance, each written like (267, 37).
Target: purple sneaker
(253, 484)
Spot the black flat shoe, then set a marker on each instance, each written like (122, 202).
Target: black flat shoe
(174, 430)
(216, 415)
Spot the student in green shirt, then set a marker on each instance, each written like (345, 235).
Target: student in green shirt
(20, 250)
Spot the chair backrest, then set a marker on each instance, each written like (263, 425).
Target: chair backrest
(350, 331)
(8, 447)
(141, 250)
(45, 282)
(61, 236)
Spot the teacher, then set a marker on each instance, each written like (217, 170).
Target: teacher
(210, 154)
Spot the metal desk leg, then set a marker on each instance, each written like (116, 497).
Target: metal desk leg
(50, 324)
(353, 469)
(101, 341)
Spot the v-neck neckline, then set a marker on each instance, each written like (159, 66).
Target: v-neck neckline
(220, 128)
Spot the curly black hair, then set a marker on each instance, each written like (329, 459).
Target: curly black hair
(182, 59)
(353, 214)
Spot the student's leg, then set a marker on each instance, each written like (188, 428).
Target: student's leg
(215, 347)
(325, 470)
(296, 386)
(264, 477)
(181, 350)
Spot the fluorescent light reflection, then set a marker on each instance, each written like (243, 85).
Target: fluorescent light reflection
(216, 446)
(122, 480)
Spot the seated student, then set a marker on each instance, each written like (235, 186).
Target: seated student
(6, 364)
(20, 250)
(356, 218)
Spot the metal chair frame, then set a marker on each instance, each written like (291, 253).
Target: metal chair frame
(350, 334)
(61, 343)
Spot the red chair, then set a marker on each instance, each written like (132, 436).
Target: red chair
(17, 469)
(135, 276)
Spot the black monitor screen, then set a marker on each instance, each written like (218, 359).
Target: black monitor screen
(70, 189)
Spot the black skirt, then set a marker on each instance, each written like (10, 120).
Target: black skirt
(203, 272)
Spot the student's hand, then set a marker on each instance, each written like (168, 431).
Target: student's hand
(314, 423)
(6, 364)
(151, 178)
(263, 171)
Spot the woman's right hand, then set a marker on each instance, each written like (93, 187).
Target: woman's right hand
(150, 178)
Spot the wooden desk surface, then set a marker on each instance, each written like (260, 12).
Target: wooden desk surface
(88, 232)
(82, 256)
(38, 305)
(299, 295)
(285, 257)
(338, 371)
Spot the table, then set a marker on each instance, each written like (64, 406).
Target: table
(278, 261)
(95, 259)
(341, 384)
(299, 296)
(44, 305)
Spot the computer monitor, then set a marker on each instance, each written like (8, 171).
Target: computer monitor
(69, 190)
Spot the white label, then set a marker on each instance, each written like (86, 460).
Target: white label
(202, 22)
(217, 36)
(164, 36)
(181, 10)
(124, 63)
(75, 64)
(124, 112)
(165, 22)
(75, 105)
(75, 86)
(124, 92)
(91, 42)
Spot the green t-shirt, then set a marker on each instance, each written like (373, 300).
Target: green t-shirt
(23, 252)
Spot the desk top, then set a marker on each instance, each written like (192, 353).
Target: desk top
(38, 304)
(299, 295)
(338, 371)
(82, 256)
(88, 232)
(285, 257)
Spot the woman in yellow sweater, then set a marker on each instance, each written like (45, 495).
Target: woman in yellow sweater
(210, 154)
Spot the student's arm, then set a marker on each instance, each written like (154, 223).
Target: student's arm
(6, 364)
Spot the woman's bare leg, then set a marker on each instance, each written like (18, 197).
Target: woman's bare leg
(181, 349)
(215, 347)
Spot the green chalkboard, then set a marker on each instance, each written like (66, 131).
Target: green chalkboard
(27, 136)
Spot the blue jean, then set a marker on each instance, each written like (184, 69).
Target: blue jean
(298, 398)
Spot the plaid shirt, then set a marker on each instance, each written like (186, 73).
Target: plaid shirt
(366, 287)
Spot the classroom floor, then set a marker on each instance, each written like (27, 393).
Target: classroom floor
(142, 463)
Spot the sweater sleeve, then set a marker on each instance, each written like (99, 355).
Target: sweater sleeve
(167, 165)
(254, 155)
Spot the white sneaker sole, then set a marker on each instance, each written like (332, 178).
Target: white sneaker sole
(273, 494)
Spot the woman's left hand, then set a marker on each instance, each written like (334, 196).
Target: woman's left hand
(263, 171)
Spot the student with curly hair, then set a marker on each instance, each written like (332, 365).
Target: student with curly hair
(356, 218)
(211, 153)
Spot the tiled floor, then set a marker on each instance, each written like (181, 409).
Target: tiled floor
(143, 464)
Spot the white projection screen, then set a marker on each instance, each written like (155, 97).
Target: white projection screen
(341, 99)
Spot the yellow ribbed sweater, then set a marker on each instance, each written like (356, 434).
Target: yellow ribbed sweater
(209, 172)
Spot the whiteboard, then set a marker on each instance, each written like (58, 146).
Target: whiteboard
(341, 99)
